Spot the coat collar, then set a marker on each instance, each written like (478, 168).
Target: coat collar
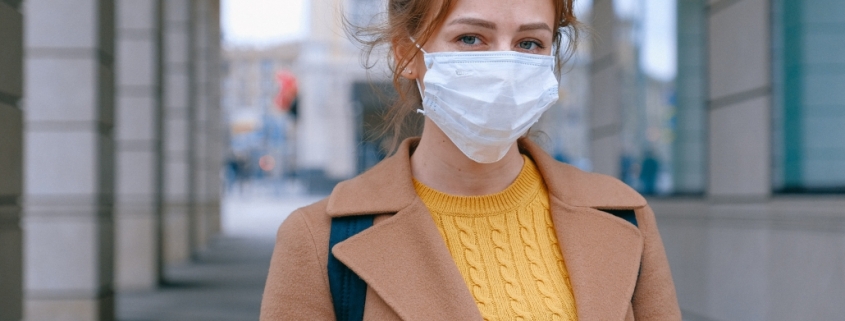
(404, 259)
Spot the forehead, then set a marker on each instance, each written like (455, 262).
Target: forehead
(507, 12)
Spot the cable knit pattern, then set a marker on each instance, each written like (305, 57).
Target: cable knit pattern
(537, 263)
(472, 256)
(505, 247)
(507, 269)
(558, 265)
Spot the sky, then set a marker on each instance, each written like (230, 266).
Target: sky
(659, 55)
(269, 22)
(262, 22)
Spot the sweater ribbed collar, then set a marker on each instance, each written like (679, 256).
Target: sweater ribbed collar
(518, 194)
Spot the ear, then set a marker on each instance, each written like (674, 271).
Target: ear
(401, 50)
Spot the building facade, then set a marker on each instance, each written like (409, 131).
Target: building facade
(760, 104)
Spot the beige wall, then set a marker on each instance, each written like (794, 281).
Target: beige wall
(780, 259)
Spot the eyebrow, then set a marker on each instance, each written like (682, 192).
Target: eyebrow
(490, 25)
(534, 26)
(474, 22)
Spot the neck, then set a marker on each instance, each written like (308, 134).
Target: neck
(439, 164)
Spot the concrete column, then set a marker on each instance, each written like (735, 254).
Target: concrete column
(138, 144)
(69, 154)
(11, 161)
(205, 173)
(605, 105)
(199, 125)
(216, 135)
(739, 104)
(178, 77)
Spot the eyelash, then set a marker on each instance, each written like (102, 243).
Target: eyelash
(535, 42)
(461, 39)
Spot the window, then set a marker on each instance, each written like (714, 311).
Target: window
(808, 58)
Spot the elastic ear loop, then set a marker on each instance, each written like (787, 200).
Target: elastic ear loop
(419, 88)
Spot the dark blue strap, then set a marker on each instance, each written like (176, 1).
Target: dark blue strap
(349, 292)
(627, 215)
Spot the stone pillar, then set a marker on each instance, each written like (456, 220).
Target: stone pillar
(178, 77)
(605, 106)
(206, 172)
(69, 154)
(11, 161)
(199, 125)
(739, 168)
(216, 134)
(138, 144)
(739, 108)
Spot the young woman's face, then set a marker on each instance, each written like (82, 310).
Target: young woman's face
(493, 25)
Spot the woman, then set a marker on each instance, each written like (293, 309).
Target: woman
(471, 221)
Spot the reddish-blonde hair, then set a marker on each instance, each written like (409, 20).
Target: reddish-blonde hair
(419, 19)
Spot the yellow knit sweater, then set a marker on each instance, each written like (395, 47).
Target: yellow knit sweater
(506, 249)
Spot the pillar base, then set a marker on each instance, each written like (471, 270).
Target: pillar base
(177, 246)
(136, 255)
(70, 309)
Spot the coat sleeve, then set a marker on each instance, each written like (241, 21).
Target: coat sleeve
(654, 296)
(297, 283)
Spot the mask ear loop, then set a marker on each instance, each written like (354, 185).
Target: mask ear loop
(419, 87)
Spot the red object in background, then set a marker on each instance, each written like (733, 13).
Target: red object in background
(287, 90)
(267, 163)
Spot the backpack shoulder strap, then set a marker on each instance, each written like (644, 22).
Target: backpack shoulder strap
(349, 292)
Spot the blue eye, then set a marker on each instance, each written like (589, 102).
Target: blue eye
(528, 45)
(469, 40)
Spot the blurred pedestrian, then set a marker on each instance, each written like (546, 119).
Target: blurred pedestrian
(649, 172)
(471, 220)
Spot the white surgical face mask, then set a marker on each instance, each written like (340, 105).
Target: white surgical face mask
(485, 100)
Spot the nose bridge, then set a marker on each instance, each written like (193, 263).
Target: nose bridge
(503, 42)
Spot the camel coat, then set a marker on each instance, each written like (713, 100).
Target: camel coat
(617, 271)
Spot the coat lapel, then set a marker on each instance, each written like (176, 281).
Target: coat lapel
(602, 255)
(602, 252)
(404, 259)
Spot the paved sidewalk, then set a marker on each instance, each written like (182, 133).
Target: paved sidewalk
(225, 283)
(253, 216)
